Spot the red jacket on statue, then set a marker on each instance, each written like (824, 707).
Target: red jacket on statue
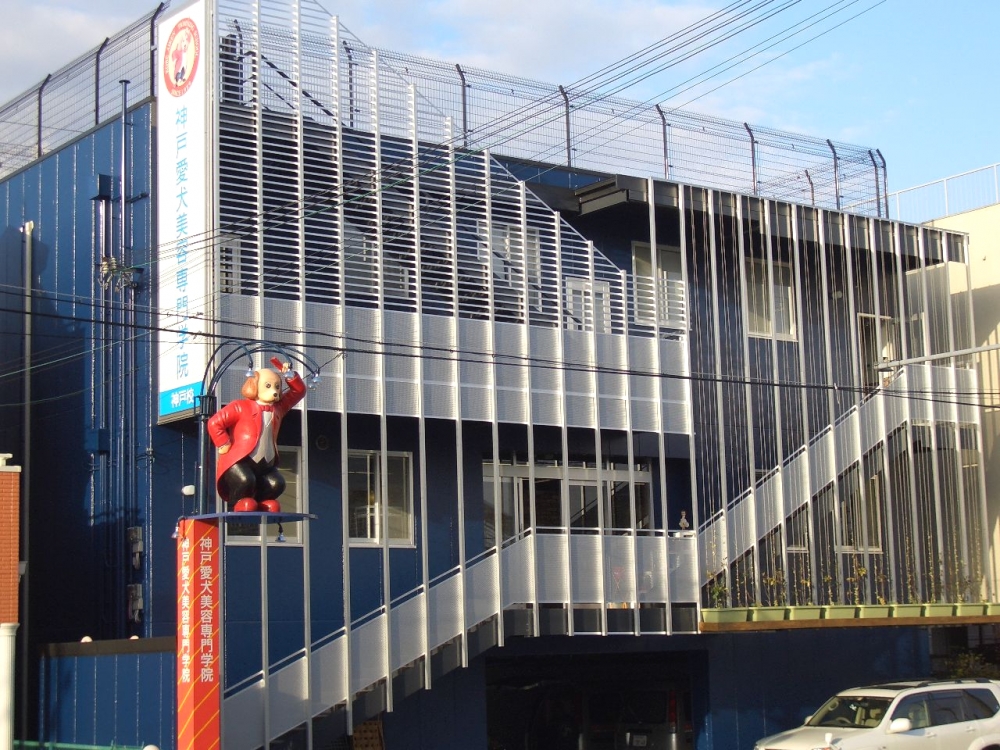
(246, 471)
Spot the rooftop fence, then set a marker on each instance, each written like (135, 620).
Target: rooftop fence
(511, 116)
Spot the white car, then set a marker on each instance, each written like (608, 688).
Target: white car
(933, 715)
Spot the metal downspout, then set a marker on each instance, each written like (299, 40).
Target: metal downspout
(26, 231)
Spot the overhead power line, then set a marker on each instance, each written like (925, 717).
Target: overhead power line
(408, 350)
(528, 117)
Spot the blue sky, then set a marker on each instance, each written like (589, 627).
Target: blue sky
(916, 79)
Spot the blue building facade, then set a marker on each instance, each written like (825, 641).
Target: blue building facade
(565, 412)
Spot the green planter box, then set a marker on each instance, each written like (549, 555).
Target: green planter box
(873, 610)
(993, 608)
(805, 612)
(839, 612)
(725, 614)
(769, 614)
(906, 610)
(970, 610)
(939, 610)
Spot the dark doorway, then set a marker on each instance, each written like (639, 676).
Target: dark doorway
(593, 702)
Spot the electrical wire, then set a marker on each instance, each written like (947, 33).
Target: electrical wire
(591, 78)
(332, 198)
(353, 344)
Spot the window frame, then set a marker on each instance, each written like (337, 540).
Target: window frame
(374, 459)
(761, 285)
(672, 312)
(588, 305)
(572, 479)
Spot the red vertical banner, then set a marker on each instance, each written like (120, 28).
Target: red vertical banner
(199, 662)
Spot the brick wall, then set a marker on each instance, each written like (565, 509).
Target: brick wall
(10, 534)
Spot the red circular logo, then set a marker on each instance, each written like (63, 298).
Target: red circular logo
(180, 57)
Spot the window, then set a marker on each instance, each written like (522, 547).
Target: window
(980, 703)
(367, 517)
(291, 502)
(509, 245)
(514, 510)
(504, 254)
(583, 505)
(947, 707)
(581, 315)
(668, 290)
(759, 293)
(583, 490)
(877, 341)
(914, 708)
(860, 512)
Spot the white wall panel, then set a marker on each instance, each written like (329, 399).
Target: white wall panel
(585, 556)
(553, 568)
(368, 649)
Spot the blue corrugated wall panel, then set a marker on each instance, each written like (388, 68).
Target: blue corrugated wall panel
(116, 698)
(762, 683)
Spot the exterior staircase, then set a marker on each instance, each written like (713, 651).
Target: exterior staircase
(757, 511)
(439, 629)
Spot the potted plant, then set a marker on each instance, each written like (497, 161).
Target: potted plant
(720, 612)
(879, 609)
(970, 590)
(725, 614)
(901, 609)
(970, 609)
(774, 607)
(938, 609)
(837, 611)
(805, 612)
(769, 614)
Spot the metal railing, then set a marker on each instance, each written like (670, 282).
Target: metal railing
(967, 191)
(78, 97)
(518, 117)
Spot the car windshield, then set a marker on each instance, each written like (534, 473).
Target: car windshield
(850, 711)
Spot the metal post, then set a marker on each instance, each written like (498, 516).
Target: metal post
(350, 84)
(666, 143)
(569, 143)
(812, 190)
(836, 173)
(465, 106)
(204, 405)
(40, 90)
(152, 47)
(753, 157)
(885, 184)
(97, 80)
(878, 196)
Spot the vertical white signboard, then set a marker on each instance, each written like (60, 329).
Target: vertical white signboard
(183, 120)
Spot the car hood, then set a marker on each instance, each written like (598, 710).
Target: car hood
(805, 738)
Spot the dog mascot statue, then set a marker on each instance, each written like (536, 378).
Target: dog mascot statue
(246, 434)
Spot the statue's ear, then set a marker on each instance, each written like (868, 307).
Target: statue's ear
(249, 389)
